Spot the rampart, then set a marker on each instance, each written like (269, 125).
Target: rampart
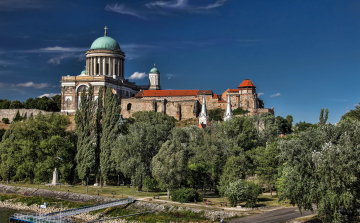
(26, 113)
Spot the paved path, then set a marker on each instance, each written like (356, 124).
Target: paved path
(275, 216)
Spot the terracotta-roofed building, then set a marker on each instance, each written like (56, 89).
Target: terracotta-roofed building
(247, 83)
(186, 104)
(170, 93)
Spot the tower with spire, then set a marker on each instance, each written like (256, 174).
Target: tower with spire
(228, 113)
(203, 116)
(154, 79)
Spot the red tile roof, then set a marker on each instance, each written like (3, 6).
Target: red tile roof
(202, 92)
(247, 83)
(222, 101)
(139, 94)
(167, 93)
(233, 90)
(215, 96)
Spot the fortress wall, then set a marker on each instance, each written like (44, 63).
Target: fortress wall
(26, 113)
(136, 105)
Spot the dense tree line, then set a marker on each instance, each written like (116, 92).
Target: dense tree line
(317, 164)
(44, 103)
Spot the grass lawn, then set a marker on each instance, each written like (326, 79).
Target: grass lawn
(105, 191)
(264, 200)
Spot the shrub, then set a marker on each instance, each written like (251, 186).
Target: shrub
(5, 120)
(239, 111)
(17, 117)
(243, 191)
(185, 195)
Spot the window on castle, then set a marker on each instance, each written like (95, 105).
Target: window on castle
(68, 101)
(116, 69)
(97, 69)
(107, 69)
(128, 107)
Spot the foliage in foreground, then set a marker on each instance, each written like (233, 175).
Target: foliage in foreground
(29, 149)
(186, 195)
(243, 191)
(322, 166)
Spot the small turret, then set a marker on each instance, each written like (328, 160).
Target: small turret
(228, 113)
(203, 116)
(154, 79)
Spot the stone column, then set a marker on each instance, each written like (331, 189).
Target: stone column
(86, 66)
(94, 65)
(122, 69)
(104, 65)
(109, 66)
(113, 65)
(118, 66)
(100, 65)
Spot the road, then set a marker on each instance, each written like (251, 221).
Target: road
(275, 216)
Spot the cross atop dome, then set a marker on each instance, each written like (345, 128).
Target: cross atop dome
(105, 30)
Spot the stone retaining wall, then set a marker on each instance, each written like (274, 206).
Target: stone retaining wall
(26, 113)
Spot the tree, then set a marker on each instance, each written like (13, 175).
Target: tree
(29, 149)
(5, 120)
(266, 160)
(16, 104)
(321, 167)
(142, 142)
(86, 134)
(289, 120)
(4, 104)
(2, 132)
(17, 117)
(170, 164)
(323, 116)
(303, 126)
(352, 114)
(234, 169)
(243, 191)
(216, 114)
(109, 133)
(260, 103)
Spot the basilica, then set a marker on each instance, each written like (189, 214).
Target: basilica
(105, 67)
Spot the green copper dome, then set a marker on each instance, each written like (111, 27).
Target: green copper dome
(105, 43)
(83, 72)
(154, 70)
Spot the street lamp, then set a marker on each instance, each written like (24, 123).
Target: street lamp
(60, 182)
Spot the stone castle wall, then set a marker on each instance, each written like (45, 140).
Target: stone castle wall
(26, 113)
(177, 109)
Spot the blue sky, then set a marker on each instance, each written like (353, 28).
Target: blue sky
(302, 55)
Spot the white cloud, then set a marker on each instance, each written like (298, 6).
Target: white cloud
(123, 10)
(170, 76)
(56, 49)
(164, 8)
(31, 85)
(275, 95)
(182, 5)
(48, 95)
(259, 94)
(138, 75)
(57, 60)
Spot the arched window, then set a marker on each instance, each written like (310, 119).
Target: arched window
(128, 107)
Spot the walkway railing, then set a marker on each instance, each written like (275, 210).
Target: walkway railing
(81, 210)
(57, 217)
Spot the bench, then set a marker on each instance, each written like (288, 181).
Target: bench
(223, 203)
(156, 197)
(113, 192)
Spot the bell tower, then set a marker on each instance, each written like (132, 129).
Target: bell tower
(154, 79)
